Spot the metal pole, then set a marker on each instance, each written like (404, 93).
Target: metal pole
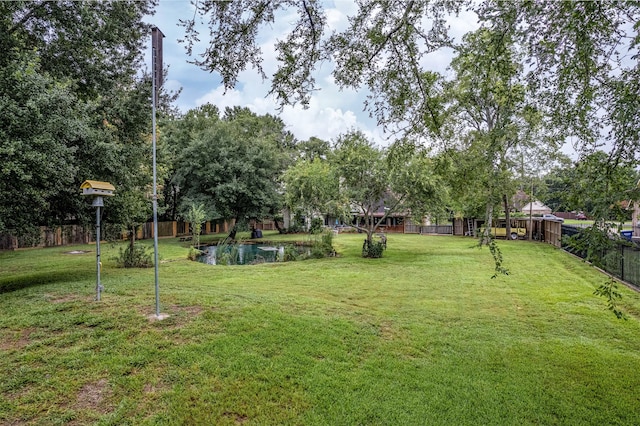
(531, 213)
(98, 285)
(155, 194)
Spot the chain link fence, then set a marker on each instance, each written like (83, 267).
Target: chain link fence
(622, 262)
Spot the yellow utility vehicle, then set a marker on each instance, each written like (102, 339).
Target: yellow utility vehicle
(500, 231)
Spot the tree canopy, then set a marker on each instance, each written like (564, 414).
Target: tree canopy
(232, 164)
(72, 104)
(579, 59)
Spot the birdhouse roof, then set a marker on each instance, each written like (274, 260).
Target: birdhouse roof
(96, 184)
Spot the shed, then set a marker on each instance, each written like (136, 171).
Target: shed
(95, 187)
(537, 208)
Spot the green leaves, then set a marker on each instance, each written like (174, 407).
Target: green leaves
(71, 108)
(312, 186)
(41, 124)
(609, 290)
(233, 165)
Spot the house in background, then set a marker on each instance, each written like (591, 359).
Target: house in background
(519, 199)
(537, 208)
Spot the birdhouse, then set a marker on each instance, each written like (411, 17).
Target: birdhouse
(97, 188)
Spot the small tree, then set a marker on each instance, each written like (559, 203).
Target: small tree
(312, 187)
(195, 216)
(401, 179)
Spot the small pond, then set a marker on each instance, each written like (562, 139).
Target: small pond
(246, 254)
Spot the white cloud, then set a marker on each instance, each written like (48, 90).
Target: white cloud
(319, 120)
(219, 98)
(331, 111)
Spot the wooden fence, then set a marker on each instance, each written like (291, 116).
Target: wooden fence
(428, 229)
(77, 234)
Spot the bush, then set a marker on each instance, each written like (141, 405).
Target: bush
(294, 228)
(136, 256)
(290, 254)
(322, 246)
(316, 226)
(372, 249)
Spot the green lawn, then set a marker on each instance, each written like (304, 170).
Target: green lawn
(422, 336)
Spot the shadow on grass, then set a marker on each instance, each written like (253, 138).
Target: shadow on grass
(39, 278)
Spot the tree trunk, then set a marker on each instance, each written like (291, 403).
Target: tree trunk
(275, 222)
(507, 214)
(232, 233)
(132, 238)
(174, 207)
(486, 235)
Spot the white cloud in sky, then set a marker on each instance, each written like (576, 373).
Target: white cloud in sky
(331, 111)
(319, 120)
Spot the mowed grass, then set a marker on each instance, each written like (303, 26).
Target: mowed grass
(421, 336)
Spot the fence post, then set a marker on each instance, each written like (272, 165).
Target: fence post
(622, 262)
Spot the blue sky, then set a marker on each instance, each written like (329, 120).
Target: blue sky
(331, 112)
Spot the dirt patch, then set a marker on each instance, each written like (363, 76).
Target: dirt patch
(77, 252)
(386, 331)
(94, 396)
(23, 339)
(238, 419)
(56, 298)
(179, 315)
(154, 389)
(149, 388)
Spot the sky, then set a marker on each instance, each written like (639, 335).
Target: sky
(331, 111)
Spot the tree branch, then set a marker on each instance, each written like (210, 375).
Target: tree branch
(26, 17)
(393, 31)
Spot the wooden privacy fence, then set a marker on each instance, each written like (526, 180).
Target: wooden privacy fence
(428, 229)
(548, 231)
(77, 234)
(50, 237)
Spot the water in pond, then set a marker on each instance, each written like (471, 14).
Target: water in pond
(244, 254)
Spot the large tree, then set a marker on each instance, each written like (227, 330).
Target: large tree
(176, 133)
(583, 64)
(383, 49)
(41, 125)
(581, 58)
(73, 103)
(492, 116)
(233, 166)
(94, 44)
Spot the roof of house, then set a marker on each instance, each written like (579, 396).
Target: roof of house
(537, 205)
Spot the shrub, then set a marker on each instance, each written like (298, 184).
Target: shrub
(372, 249)
(290, 254)
(135, 256)
(294, 228)
(316, 226)
(322, 246)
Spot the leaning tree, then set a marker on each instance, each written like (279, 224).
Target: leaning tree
(377, 183)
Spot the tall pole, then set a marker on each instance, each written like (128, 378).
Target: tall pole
(531, 213)
(98, 264)
(155, 194)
